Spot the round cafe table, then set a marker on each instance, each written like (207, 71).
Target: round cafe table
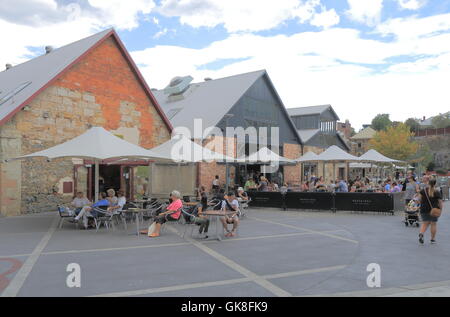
(136, 212)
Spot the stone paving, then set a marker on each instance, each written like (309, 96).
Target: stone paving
(277, 253)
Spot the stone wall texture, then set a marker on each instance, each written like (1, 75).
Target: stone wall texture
(100, 90)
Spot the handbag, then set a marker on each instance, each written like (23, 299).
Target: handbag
(151, 228)
(435, 212)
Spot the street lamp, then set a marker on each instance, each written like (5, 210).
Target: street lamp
(227, 167)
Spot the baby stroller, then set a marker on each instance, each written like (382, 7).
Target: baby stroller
(412, 213)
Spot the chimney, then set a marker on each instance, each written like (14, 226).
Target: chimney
(48, 49)
(8, 66)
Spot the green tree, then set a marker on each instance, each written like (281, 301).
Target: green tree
(441, 121)
(381, 122)
(413, 124)
(395, 142)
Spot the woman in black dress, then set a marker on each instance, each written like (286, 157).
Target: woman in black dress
(430, 198)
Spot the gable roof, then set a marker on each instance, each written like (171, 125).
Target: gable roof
(307, 134)
(367, 133)
(40, 72)
(212, 99)
(312, 110)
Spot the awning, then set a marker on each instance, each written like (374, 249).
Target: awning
(265, 156)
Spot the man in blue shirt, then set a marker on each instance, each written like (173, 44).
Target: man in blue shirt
(89, 211)
(387, 187)
(342, 187)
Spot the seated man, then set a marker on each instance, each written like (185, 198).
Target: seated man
(89, 211)
(172, 213)
(79, 202)
(200, 218)
(230, 204)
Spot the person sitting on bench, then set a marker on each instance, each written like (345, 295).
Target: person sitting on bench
(172, 213)
(230, 204)
(90, 211)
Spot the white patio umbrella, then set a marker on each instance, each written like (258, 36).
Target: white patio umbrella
(375, 156)
(335, 154)
(181, 149)
(96, 144)
(265, 155)
(308, 157)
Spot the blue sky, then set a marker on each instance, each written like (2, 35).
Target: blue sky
(363, 57)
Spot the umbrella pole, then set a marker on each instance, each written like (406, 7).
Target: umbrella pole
(334, 171)
(96, 180)
(150, 183)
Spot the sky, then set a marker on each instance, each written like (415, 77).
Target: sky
(364, 57)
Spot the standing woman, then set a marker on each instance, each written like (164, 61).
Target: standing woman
(411, 189)
(430, 198)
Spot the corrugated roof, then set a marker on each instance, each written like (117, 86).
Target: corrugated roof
(367, 133)
(304, 111)
(36, 74)
(39, 71)
(209, 100)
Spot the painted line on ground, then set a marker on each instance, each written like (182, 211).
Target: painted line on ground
(166, 244)
(216, 283)
(307, 230)
(19, 279)
(399, 290)
(239, 268)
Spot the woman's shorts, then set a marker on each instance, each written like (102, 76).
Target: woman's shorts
(164, 218)
(426, 217)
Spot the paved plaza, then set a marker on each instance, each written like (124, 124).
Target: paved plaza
(277, 253)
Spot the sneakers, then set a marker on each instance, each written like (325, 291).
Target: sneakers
(421, 238)
(433, 241)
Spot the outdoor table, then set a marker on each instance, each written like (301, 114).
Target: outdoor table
(137, 212)
(217, 214)
(190, 204)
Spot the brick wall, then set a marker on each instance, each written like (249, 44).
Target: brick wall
(100, 90)
(292, 174)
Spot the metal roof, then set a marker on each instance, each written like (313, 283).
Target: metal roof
(367, 133)
(38, 73)
(308, 134)
(209, 100)
(304, 111)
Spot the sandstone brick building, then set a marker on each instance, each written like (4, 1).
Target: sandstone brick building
(58, 96)
(248, 100)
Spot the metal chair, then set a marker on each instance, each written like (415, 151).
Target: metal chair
(66, 215)
(243, 208)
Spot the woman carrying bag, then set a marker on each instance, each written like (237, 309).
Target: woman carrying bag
(430, 210)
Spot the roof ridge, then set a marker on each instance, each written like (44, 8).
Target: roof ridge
(106, 31)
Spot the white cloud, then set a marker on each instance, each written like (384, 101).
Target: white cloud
(324, 67)
(38, 23)
(248, 15)
(365, 11)
(413, 27)
(325, 19)
(161, 33)
(122, 14)
(412, 4)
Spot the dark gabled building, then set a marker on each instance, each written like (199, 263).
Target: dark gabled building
(250, 98)
(317, 127)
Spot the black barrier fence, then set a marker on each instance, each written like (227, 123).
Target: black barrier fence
(360, 202)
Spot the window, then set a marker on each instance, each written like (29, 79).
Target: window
(67, 188)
